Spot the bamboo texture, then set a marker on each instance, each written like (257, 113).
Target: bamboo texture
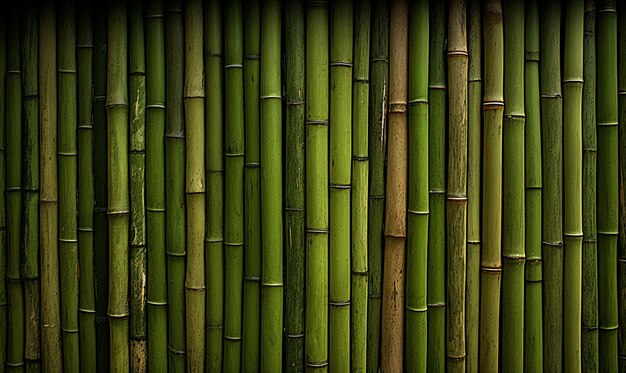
(621, 39)
(3, 205)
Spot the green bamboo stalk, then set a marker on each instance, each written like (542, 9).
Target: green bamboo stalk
(271, 190)
(572, 171)
(3, 205)
(87, 295)
(340, 155)
(316, 169)
(294, 187)
(436, 279)
(533, 309)
(474, 134)
(251, 324)
(234, 189)
(118, 185)
(194, 186)
(67, 160)
(621, 22)
(138, 198)
(379, 90)
(589, 339)
(155, 189)
(215, 181)
(513, 203)
(551, 160)
(15, 352)
(491, 266)
(175, 185)
(30, 182)
(360, 190)
(607, 185)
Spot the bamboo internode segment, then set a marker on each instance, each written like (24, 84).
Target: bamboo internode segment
(621, 37)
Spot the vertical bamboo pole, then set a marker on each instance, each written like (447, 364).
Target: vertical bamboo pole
(271, 189)
(491, 266)
(533, 306)
(621, 23)
(607, 184)
(294, 186)
(3, 205)
(360, 175)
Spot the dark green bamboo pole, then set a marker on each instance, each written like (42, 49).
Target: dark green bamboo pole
(533, 310)
(138, 186)
(293, 341)
(3, 205)
(175, 185)
(215, 181)
(251, 324)
(491, 265)
(607, 187)
(271, 189)
(379, 91)
(360, 175)
(30, 182)
(87, 295)
(621, 23)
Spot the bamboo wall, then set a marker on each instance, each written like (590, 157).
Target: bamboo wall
(344, 185)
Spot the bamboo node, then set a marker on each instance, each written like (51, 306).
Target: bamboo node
(490, 269)
(379, 59)
(418, 101)
(609, 327)
(341, 63)
(437, 86)
(456, 358)
(437, 191)
(176, 254)
(69, 330)
(11, 72)
(155, 106)
(175, 351)
(361, 80)
(374, 296)
(514, 258)
(514, 116)
(232, 338)
(493, 105)
(137, 73)
(532, 56)
(573, 80)
(252, 278)
(436, 305)
(339, 186)
(87, 310)
(590, 327)
(15, 365)
(551, 95)
(195, 287)
(456, 198)
(118, 315)
(321, 364)
(397, 107)
(557, 244)
(376, 196)
(473, 242)
(30, 96)
(360, 158)
(607, 233)
(155, 303)
(234, 154)
(457, 53)
(234, 66)
(294, 102)
(590, 240)
(416, 309)
(317, 122)
(267, 97)
(607, 10)
(299, 335)
(296, 209)
(233, 244)
(155, 209)
(62, 71)
(68, 240)
(415, 212)
(607, 124)
(252, 57)
(154, 16)
(272, 284)
(573, 235)
(85, 229)
(67, 154)
(215, 327)
(360, 273)
(252, 165)
(342, 303)
(621, 93)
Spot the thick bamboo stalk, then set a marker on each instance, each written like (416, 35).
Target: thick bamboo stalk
(340, 155)
(156, 298)
(607, 185)
(3, 205)
(215, 181)
(513, 218)
(137, 166)
(491, 265)
(316, 169)
(87, 295)
(360, 190)
(474, 134)
(271, 189)
(294, 186)
(194, 186)
(30, 183)
(175, 185)
(572, 172)
(67, 160)
(533, 309)
(435, 292)
(379, 91)
(251, 324)
(392, 338)
(621, 23)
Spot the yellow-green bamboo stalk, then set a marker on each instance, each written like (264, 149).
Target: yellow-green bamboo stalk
(3, 205)
(621, 37)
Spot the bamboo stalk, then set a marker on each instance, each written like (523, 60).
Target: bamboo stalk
(215, 181)
(194, 186)
(30, 180)
(87, 295)
(271, 189)
(138, 198)
(175, 185)
(621, 23)
(340, 178)
(294, 187)
(533, 306)
(379, 91)
(316, 169)
(491, 266)
(572, 171)
(360, 190)
(607, 185)
(3, 205)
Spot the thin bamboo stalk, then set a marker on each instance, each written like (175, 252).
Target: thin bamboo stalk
(294, 187)
(379, 91)
(607, 185)
(87, 295)
(3, 205)
(155, 189)
(138, 198)
(491, 265)
(359, 194)
(621, 23)
(175, 185)
(215, 181)
(30, 183)
(316, 169)
(533, 309)
(271, 189)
